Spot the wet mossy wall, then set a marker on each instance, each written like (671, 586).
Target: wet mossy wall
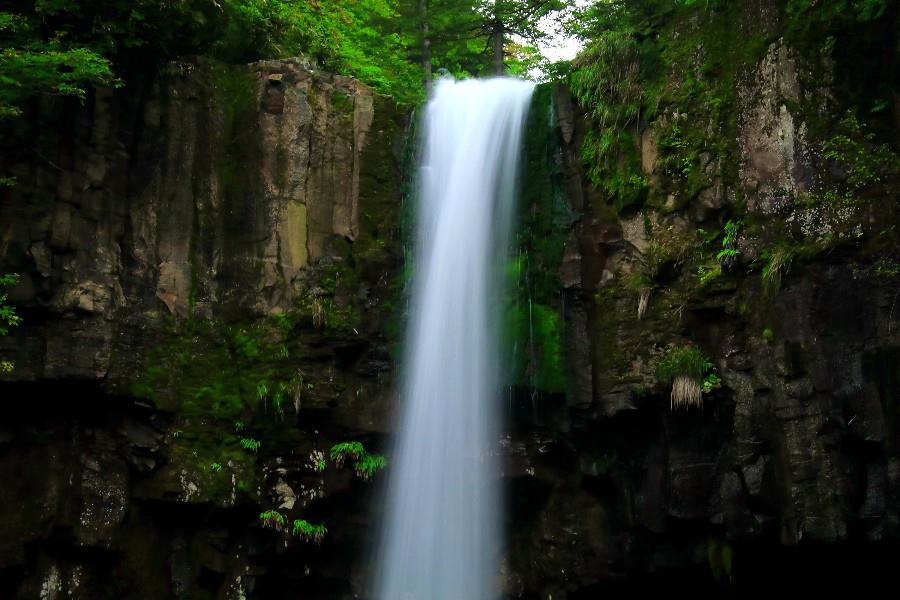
(534, 314)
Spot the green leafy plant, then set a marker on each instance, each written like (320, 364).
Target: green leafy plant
(682, 360)
(341, 452)
(368, 465)
(308, 532)
(690, 373)
(606, 78)
(711, 382)
(215, 467)
(272, 519)
(708, 273)
(768, 334)
(317, 461)
(32, 64)
(250, 444)
(729, 252)
(8, 316)
(864, 161)
(777, 262)
(365, 465)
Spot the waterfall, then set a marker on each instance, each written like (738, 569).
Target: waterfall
(442, 533)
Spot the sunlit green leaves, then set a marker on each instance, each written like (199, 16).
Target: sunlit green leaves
(30, 66)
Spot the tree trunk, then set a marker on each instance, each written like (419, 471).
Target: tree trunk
(497, 40)
(426, 45)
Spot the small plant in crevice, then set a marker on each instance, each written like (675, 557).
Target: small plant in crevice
(368, 465)
(316, 461)
(341, 452)
(300, 528)
(710, 382)
(642, 286)
(768, 334)
(691, 374)
(365, 465)
(727, 256)
(250, 444)
(706, 274)
(777, 262)
(272, 519)
(308, 532)
(669, 247)
(215, 467)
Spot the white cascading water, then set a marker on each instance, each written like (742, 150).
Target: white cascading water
(442, 536)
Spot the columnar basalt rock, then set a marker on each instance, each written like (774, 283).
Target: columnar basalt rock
(154, 228)
(210, 192)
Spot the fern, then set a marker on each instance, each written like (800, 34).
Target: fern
(250, 444)
(364, 464)
(340, 452)
(272, 519)
(368, 465)
(308, 532)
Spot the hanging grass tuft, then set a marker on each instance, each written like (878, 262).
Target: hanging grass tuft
(691, 374)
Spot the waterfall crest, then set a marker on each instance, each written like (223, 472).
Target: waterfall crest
(442, 534)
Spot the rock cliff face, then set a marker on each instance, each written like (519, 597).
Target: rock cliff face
(208, 260)
(751, 245)
(209, 193)
(214, 259)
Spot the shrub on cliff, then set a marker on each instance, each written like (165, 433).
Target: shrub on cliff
(690, 372)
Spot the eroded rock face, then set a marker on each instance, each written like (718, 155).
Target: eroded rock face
(791, 459)
(773, 144)
(211, 192)
(183, 244)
